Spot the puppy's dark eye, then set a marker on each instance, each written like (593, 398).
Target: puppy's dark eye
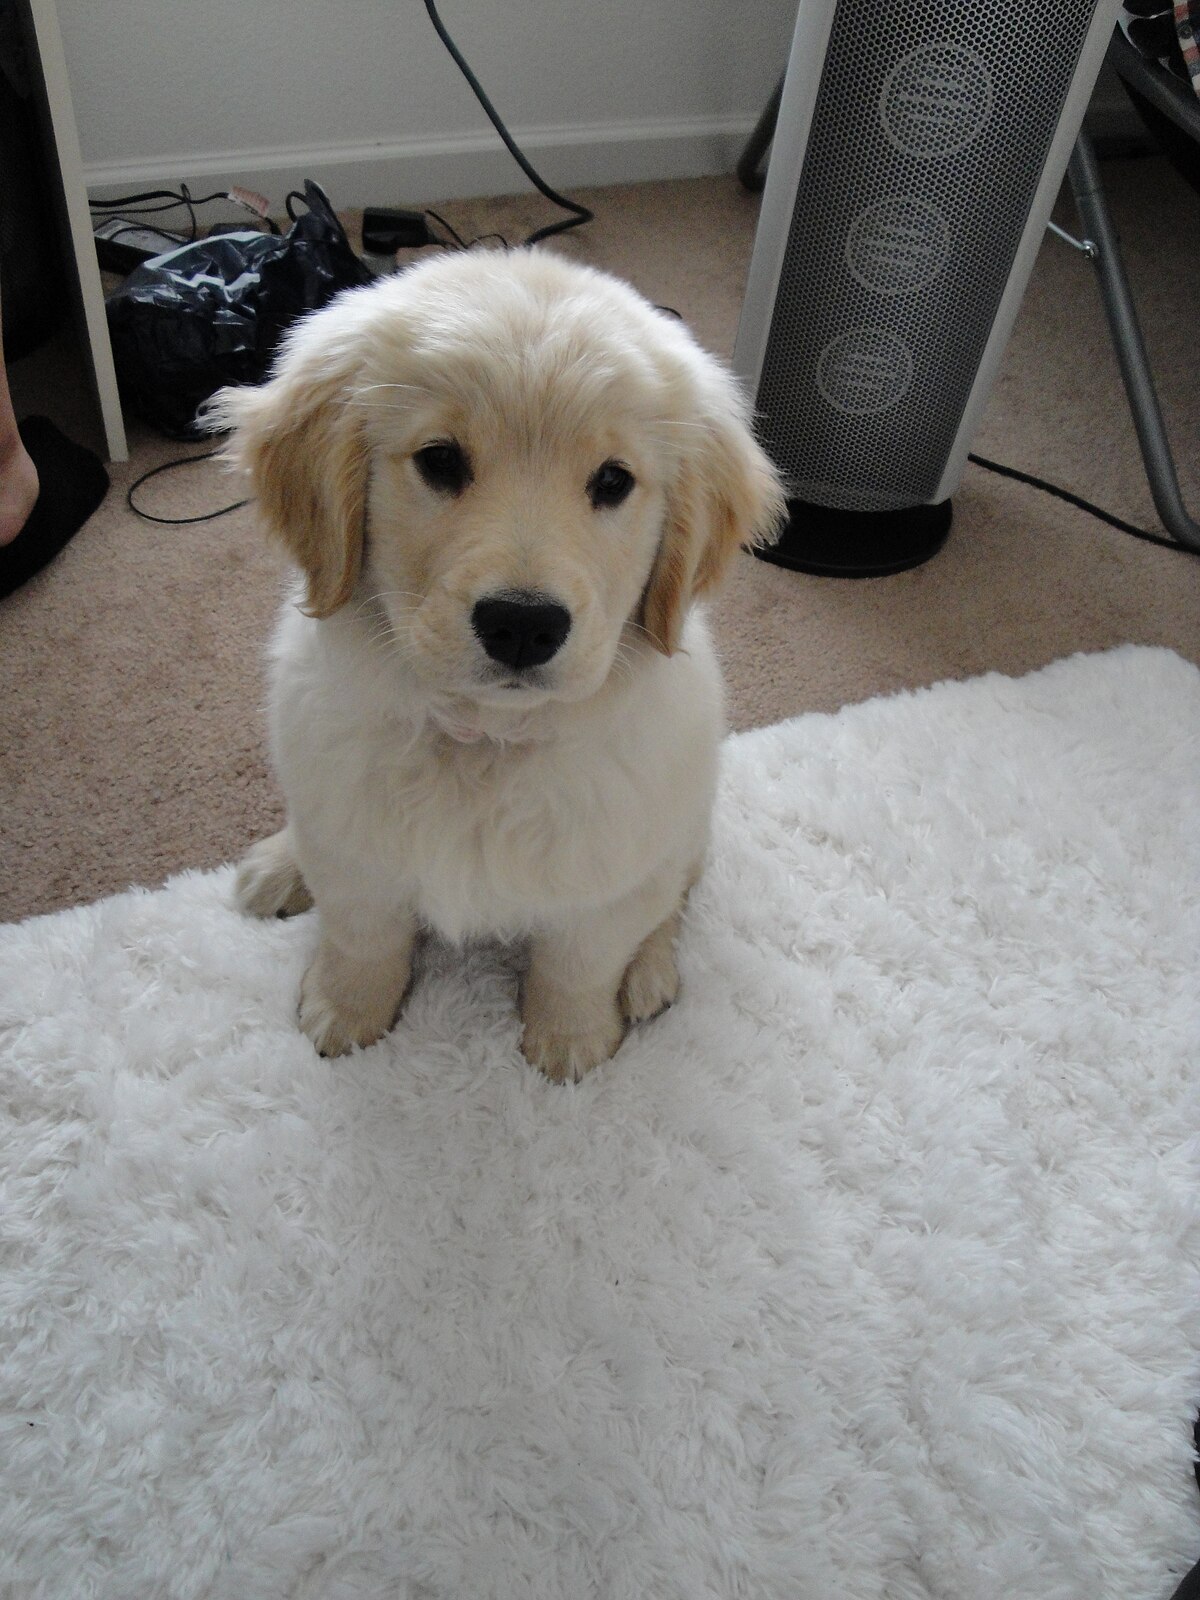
(444, 466)
(609, 484)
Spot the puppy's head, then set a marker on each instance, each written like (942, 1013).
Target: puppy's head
(519, 460)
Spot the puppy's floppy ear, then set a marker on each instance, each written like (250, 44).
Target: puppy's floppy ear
(726, 494)
(300, 439)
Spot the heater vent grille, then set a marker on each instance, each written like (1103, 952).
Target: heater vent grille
(898, 245)
(926, 147)
(935, 100)
(864, 370)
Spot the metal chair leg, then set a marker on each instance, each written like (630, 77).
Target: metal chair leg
(1130, 347)
(750, 170)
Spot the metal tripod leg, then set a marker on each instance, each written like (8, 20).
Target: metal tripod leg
(1130, 347)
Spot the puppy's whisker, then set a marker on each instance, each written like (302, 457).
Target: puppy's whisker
(385, 632)
(623, 663)
(636, 627)
(390, 652)
(381, 622)
(396, 647)
(400, 640)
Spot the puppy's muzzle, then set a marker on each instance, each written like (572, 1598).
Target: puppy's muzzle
(520, 629)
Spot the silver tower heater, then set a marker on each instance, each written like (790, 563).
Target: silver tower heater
(917, 152)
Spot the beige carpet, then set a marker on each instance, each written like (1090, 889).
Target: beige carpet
(130, 724)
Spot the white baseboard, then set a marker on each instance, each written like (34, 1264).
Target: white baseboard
(416, 172)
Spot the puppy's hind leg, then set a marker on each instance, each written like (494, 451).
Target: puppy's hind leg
(269, 882)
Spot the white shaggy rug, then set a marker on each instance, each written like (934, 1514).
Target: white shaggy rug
(870, 1270)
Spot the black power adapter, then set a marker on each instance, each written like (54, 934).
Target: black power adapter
(386, 229)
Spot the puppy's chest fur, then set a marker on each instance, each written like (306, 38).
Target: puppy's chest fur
(483, 837)
(499, 839)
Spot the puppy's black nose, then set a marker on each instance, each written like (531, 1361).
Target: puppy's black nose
(520, 629)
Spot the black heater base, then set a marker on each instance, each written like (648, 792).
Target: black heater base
(858, 544)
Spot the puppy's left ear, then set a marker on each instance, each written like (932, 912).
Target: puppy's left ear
(726, 495)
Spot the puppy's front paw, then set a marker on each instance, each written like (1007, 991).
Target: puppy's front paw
(567, 1042)
(651, 981)
(269, 883)
(335, 1026)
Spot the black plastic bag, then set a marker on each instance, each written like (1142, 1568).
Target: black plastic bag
(212, 312)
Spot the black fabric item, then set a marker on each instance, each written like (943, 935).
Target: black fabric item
(1189, 1589)
(72, 482)
(1179, 148)
(32, 289)
(1155, 36)
(212, 312)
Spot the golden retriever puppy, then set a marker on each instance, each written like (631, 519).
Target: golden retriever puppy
(505, 481)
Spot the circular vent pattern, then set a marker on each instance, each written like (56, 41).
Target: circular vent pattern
(897, 245)
(935, 100)
(864, 370)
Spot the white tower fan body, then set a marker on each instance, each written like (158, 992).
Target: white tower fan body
(917, 154)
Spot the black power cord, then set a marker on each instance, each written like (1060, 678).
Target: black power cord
(579, 213)
(1084, 505)
(138, 205)
(170, 466)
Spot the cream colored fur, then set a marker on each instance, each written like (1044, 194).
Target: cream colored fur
(568, 804)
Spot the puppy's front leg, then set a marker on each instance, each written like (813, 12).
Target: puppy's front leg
(575, 1001)
(353, 989)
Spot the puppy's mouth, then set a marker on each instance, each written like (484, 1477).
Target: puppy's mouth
(505, 687)
(535, 678)
(503, 709)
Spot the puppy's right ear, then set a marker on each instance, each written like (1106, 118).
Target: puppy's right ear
(300, 440)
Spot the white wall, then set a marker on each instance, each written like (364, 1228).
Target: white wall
(362, 96)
